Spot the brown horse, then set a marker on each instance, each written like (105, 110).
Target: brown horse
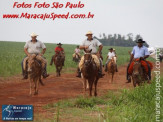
(76, 58)
(34, 70)
(138, 76)
(90, 73)
(58, 61)
(111, 66)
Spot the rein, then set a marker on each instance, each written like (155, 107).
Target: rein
(88, 61)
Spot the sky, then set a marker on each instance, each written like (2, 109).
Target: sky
(144, 17)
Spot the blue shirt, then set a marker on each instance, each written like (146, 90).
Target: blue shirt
(140, 51)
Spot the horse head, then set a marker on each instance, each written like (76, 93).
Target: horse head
(87, 57)
(31, 62)
(137, 67)
(112, 60)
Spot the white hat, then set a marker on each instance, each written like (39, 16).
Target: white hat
(113, 49)
(89, 33)
(34, 34)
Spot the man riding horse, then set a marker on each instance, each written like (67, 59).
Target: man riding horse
(139, 52)
(91, 44)
(76, 52)
(111, 54)
(33, 47)
(57, 50)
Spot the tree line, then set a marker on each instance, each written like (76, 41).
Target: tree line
(119, 40)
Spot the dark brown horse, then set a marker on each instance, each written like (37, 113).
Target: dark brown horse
(59, 61)
(138, 76)
(34, 70)
(111, 66)
(90, 73)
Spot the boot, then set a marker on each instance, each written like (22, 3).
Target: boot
(78, 74)
(25, 75)
(116, 68)
(106, 69)
(44, 73)
(51, 62)
(129, 79)
(100, 74)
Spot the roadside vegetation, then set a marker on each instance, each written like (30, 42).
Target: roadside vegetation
(127, 105)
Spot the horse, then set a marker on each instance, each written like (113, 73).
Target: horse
(111, 66)
(34, 70)
(90, 72)
(58, 62)
(138, 76)
(76, 57)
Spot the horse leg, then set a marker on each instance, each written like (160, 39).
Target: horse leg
(87, 84)
(41, 81)
(56, 71)
(37, 84)
(95, 83)
(112, 77)
(108, 77)
(60, 71)
(90, 86)
(84, 86)
(36, 81)
(30, 89)
(134, 82)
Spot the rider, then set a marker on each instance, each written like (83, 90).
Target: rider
(91, 44)
(77, 51)
(111, 54)
(139, 51)
(33, 47)
(57, 50)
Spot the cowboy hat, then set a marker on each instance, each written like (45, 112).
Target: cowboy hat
(113, 49)
(33, 34)
(110, 49)
(59, 44)
(89, 33)
(140, 41)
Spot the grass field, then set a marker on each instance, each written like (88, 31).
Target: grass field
(11, 55)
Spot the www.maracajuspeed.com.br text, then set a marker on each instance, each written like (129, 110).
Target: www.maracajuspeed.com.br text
(45, 16)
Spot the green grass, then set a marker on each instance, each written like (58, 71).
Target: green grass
(11, 55)
(134, 105)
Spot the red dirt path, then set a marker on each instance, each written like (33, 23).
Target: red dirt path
(55, 89)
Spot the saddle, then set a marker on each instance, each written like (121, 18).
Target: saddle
(147, 67)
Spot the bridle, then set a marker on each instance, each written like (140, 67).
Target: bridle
(35, 61)
(89, 61)
(135, 63)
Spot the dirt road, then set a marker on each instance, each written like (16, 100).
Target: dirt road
(55, 89)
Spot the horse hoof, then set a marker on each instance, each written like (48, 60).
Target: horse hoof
(36, 93)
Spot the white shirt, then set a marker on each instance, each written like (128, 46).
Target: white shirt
(93, 44)
(77, 50)
(34, 47)
(111, 55)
